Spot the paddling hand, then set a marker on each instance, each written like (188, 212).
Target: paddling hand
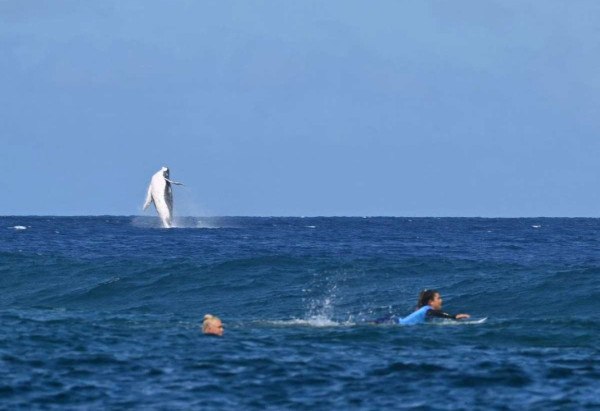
(462, 316)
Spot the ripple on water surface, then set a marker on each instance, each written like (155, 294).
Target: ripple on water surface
(105, 312)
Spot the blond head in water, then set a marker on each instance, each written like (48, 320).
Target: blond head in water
(212, 325)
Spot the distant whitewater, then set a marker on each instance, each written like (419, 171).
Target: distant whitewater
(104, 312)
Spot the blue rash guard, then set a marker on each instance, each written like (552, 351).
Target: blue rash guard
(418, 317)
(423, 314)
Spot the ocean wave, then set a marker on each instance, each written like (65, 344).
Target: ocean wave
(105, 312)
(251, 271)
(290, 284)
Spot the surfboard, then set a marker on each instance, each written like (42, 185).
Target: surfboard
(474, 321)
(459, 322)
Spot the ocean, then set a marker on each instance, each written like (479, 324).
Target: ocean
(105, 313)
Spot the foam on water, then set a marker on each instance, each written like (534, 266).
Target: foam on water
(316, 321)
(178, 222)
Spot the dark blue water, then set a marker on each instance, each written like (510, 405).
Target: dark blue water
(104, 312)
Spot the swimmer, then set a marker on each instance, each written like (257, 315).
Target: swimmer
(212, 325)
(429, 306)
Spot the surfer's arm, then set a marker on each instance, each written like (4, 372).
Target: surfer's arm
(441, 314)
(148, 197)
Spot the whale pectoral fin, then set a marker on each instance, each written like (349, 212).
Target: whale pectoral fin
(174, 182)
(148, 197)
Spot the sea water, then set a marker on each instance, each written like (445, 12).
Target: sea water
(105, 312)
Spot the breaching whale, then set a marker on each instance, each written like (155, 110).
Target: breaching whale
(160, 192)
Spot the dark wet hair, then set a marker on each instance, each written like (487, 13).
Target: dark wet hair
(425, 297)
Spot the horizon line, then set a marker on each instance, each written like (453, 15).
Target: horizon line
(286, 216)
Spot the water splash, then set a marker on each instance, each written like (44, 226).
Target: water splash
(197, 222)
(178, 222)
(316, 321)
(146, 222)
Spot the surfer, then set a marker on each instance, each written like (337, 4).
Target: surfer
(212, 325)
(429, 306)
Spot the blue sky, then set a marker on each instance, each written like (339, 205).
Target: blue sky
(400, 108)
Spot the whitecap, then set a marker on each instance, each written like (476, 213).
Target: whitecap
(19, 227)
(536, 226)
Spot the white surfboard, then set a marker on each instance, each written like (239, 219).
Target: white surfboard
(474, 321)
(459, 322)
